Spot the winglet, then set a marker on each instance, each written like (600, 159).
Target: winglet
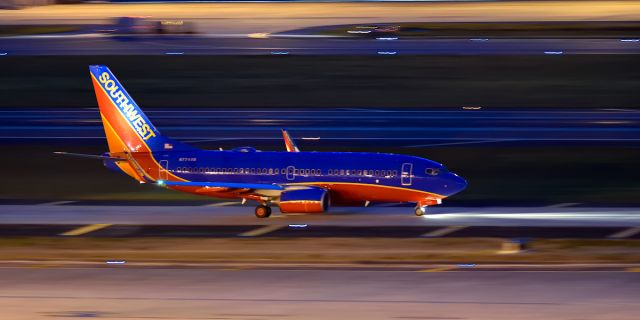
(288, 142)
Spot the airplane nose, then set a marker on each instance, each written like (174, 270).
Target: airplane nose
(456, 183)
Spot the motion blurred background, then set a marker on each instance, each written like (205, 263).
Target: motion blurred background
(534, 103)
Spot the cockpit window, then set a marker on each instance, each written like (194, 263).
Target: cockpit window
(432, 171)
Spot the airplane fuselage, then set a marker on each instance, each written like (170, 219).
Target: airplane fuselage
(351, 177)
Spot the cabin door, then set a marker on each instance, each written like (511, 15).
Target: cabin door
(163, 173)
(291, 172)
(405, 174)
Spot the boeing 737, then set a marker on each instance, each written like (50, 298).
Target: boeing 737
(297, 182)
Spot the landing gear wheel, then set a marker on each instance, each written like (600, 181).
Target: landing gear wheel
(263, 211)
(420, 211)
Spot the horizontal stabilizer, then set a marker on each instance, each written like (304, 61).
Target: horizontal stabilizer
(220, 185)
(89, 156)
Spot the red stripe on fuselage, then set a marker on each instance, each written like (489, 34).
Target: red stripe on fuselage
(344, 194)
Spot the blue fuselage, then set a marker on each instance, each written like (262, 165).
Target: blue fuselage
(246, 165)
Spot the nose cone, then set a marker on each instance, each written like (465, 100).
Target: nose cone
(455, 183)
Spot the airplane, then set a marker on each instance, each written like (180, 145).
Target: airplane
(297, 182)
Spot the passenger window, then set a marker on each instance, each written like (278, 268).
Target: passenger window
(277, 171)
(394, 173)
(359, 172)
(270, 170)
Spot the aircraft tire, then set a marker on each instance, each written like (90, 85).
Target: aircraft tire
(263, 211)
(420, 211)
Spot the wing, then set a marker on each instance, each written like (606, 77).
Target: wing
(288, 142)
(235, 185)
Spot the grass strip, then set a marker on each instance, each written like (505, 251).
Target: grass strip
(315, 250)
(26, 30)
(549, 29)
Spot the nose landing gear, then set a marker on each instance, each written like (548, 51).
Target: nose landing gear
(263, 211)
(420, 210)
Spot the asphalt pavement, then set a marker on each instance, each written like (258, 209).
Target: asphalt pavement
(118, 292)
(311, 127)
(230, 219)
(98, 44)
(235, 18)
(277, 28)
(314, 127)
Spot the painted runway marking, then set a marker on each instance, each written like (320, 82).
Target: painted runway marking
(626, 233)
(55, 203)
(86, 229)
(261, 231)
(221, 204)
(443, 231)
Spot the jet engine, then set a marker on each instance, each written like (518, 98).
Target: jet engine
(313, 200)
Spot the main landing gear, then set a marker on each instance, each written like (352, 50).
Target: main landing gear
(263, 211)
(420, 211)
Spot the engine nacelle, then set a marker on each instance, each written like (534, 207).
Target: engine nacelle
(314, 200)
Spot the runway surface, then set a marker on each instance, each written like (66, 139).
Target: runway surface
(246, 18)
(336, 220)
(311, 128)
(225, 28)
(198, 45)
(130, 293)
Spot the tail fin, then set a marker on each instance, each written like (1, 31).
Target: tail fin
(127, 128)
